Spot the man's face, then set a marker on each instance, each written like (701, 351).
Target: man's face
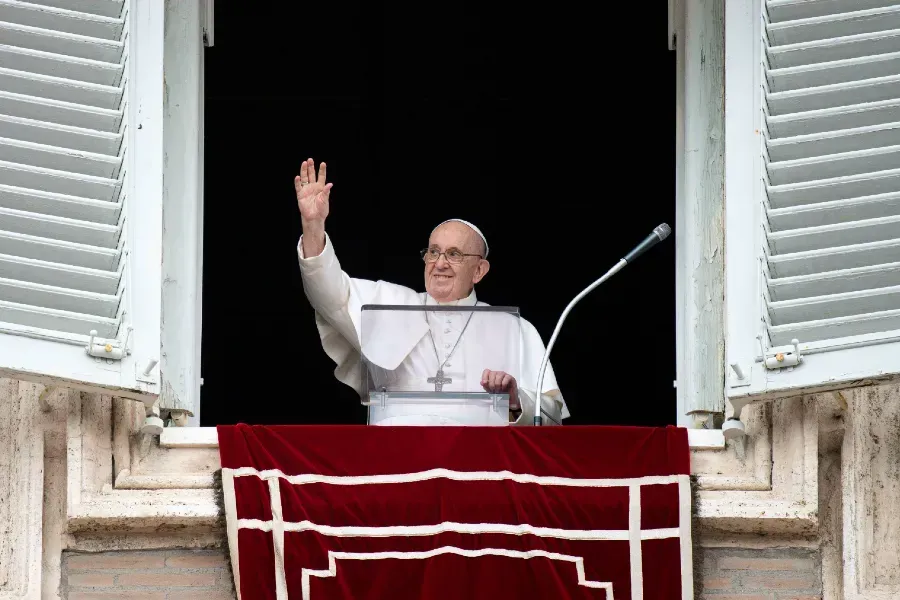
(446, 281)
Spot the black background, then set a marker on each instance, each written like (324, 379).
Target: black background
(551, 127)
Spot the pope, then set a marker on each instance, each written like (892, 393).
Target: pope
(455, 260)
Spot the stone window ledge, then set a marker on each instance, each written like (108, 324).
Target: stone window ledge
(205, 437)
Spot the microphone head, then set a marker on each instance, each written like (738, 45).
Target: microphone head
(662, 231)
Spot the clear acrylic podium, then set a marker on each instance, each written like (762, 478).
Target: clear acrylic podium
(423, 365)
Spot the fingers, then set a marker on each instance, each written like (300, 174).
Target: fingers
(497, 381)
(321, 179)
(326, 193)
(304, 171)
(297, 184)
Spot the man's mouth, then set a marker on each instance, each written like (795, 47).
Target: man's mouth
(436, 276)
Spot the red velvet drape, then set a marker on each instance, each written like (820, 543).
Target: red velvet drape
(445, 512)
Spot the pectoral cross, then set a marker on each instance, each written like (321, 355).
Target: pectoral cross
(439, 380)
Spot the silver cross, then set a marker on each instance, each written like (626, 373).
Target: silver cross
(439, 380)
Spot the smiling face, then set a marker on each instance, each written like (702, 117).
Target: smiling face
(446, 281)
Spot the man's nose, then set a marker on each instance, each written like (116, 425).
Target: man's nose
(442, 262)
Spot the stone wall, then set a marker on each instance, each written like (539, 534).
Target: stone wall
(752, 574)
(816, 479)
(154, 575)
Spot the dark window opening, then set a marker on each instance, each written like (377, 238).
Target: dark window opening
(554, 133)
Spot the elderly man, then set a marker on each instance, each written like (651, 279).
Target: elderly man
(455, 260)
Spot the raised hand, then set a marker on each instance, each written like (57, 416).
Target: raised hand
(312, 199)
(312, 194)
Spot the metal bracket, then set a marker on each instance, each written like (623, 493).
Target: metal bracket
(782, 357)
(144, 374)
(108, 350)
(739, 378)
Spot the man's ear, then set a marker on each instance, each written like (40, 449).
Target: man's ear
(481, 270)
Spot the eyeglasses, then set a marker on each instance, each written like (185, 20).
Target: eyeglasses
(453, 255)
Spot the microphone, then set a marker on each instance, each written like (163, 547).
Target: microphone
(659, 234)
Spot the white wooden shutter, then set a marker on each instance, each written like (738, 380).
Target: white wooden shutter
(812, 193)
(81, 191)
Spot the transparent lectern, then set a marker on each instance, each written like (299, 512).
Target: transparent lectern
(423, 364)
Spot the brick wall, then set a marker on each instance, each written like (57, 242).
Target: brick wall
(724, 574)
(138, 575)
(743, 574)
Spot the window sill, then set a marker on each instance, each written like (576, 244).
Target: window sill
(206, 437)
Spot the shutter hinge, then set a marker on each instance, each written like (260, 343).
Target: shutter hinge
(781, 357)
(108, 350)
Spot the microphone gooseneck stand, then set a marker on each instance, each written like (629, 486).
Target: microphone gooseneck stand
(658, 235)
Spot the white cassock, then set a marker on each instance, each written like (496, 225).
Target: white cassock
(408, 355)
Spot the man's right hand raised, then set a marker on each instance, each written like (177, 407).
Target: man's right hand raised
(312, 199)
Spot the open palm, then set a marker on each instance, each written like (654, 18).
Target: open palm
(312, 192)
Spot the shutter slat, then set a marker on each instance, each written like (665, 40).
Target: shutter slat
(58, 251)
(49, 180)
(59, 42)
(834, 282)
(820, 51)
(830, 236)
(60, 88)
(835, 25)
(825, 143)
(60, 19)
(835, 72)
(832, 119)
(60, 205)
(837, 188)
(48, 296)
(834, 305)
(57, 320)
(834, 95)
(66, 276)
(63, 113)
(814, 331)
(834, 259)
(59, 159)
(104, 8)
(838, 211)
(62, 136)
(834, 165)
(789, 10)
(67, 230)
(60, 65)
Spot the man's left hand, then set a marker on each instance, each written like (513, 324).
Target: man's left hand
(499, 382)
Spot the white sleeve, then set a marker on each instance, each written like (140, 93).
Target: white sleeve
(328, 289)
(552, 402)
(325, 283)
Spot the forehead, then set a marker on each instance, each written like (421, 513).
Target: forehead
(453, 234)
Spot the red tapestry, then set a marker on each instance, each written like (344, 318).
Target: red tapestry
(356, 513)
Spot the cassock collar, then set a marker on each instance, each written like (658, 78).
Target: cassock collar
(470, 300)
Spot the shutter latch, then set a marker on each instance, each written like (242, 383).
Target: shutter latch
(108, 350)
(780, 357)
